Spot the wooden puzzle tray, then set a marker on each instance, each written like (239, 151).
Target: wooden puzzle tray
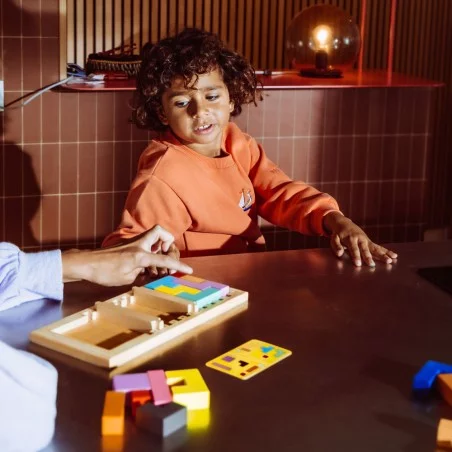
(115, 331)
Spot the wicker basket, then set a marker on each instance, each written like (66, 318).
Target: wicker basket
(120, 59)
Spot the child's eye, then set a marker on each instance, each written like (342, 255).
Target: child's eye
(181, 103)
(212, 97)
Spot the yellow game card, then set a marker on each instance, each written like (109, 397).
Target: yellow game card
(249, 359)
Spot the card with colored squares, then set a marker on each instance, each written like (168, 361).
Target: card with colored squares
(249, 359)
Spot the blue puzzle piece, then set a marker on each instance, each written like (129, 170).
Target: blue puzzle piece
(423, 381)
(204, 297)
(168, 281)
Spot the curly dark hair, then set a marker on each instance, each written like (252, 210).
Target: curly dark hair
(188, 54)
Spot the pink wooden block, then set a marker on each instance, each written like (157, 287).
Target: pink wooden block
(161, 393)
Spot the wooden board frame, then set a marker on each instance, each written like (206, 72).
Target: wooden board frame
(59, 336)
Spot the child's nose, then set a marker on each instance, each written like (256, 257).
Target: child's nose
(199, 109)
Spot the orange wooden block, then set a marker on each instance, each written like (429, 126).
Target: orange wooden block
(113, 414)
(444, 434)
(444, 383)
(138, 398)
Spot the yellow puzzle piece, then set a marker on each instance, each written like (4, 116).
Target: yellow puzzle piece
(177, 290)
(188, 388)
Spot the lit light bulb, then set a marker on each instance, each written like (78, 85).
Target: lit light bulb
(322, 37)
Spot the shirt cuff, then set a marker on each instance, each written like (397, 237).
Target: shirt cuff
(42, 273)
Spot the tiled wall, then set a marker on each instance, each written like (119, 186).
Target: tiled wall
(67, 159)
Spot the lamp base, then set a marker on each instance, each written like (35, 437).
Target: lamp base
(321, 73)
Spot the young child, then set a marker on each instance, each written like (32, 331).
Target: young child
(205, 180)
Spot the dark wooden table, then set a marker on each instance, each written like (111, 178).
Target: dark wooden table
(358, 335)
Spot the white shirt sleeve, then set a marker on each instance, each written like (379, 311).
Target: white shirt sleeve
(29, 276)
(28, 388)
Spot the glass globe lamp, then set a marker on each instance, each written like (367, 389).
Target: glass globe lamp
(322, 41)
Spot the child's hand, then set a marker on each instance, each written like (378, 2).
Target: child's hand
(347, 235)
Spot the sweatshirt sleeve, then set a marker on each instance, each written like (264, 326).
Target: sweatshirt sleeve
(28, 388)
(150, 202)
(290, 204)
(29, 276)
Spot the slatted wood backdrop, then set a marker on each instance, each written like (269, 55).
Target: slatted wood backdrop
(256, 28)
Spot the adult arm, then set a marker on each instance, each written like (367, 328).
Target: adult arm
(28, 276)
(119, 265)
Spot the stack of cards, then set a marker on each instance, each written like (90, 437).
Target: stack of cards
(249, 359)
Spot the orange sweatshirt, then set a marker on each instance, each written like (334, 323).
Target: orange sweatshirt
(211, 205)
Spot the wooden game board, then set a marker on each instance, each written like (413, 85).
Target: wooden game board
(114, 332)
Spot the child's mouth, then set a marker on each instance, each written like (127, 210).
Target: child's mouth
(206, 128)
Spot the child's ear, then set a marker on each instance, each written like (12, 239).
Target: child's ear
(231, 107)
(162, 117)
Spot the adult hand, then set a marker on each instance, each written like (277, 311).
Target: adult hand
(119, 265)
(346, 235)
(172, 252)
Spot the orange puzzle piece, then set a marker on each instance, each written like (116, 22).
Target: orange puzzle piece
(113, 414)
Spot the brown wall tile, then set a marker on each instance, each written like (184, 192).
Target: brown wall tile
(32, 221)
(287, 117)
(51, 117)
(69, 117)
(31, 51)
(31, 20)
(12, 26)
(12, 64)
(87, 217)
(51, 219)
(14, 220)
(104, 215)
(122, 158)
(51, 159)
(32, 169)
(50, 18)
(13, 158)
(317, 112)
(69, 220)
(87, 167)
(68, 168)
(271, 111)
(87, 118)
(104, 167)
(50, 51)
(122, 127)
(32, 118)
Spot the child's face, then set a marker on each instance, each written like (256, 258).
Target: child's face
(199, 114)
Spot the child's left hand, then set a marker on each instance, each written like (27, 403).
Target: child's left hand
(347, 235)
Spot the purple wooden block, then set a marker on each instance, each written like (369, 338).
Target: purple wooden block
(200, 286)
(131, 382)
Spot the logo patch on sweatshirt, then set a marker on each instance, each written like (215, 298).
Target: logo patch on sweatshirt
(246, 200)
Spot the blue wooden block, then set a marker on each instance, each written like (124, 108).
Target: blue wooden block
(424, 380)
(169, 281)
(204, 297)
